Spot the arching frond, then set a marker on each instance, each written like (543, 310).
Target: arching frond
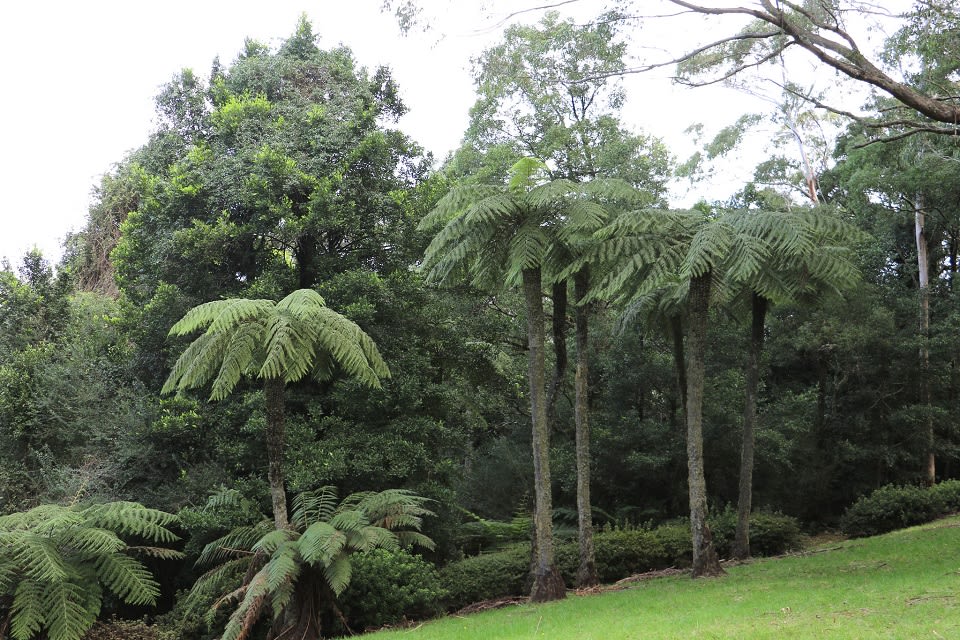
(314, 506)
(69, 611)
(128, 579)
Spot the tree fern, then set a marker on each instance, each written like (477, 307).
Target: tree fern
(322, 536)
(56, 560)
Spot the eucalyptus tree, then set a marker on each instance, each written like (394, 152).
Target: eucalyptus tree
(502, 236)
(277, 343)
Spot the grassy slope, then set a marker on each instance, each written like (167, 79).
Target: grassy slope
(901, 585)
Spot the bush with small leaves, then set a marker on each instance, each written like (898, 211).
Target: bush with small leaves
(388, 586)
(889, 508)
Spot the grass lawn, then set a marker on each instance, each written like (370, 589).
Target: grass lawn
(904, 584)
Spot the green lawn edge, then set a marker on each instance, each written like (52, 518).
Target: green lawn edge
(903, 584)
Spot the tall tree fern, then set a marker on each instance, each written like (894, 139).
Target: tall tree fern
(276, 342)
(509, 236)
(57, 563)
(294, 575)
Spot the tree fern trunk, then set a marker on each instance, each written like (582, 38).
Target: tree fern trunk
(587, 570)
(547, 582)
(273, 389)
(559, 351)
(741, 542)
(705, 560)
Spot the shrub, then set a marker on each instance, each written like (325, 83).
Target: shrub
(772, 534)
(487, 576)
(621, 553)
(947, 496)
(389, 586)
(889, 508)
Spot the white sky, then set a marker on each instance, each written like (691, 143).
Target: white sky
(80, 77)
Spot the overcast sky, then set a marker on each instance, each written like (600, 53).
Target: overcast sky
(80, 78)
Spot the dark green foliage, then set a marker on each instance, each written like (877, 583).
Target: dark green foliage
(894, 507)
(770, 533)
(620, 552)
(387, 587)
(487, 576)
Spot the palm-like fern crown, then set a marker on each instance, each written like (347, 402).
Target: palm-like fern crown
(491, 234)
(650, 256)
(285, 340)
(56, 561)
(323, 535)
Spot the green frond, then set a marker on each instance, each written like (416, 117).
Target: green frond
(525, 173)
(28, 613)
(272, 541)
(239, 311)
(239, 541)
(128, 579)
(132, 518)
(238, 356)
(283, 567)
(454, 203)
(314, 506)
(337, 574)
(40, 559)
(369, 538)
(320, 543)
(414, 538)
(93, 540)
(223, 497)
(198, 364)
(69, 612)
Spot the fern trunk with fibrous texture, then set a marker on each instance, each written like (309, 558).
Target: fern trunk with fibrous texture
(587, 569)
(273, 389)
(547, 581)
(705, 560)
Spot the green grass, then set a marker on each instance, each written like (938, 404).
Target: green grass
(904, 584)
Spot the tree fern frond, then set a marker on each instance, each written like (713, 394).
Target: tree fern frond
(238, 355)
(239, 541)
(40, 559)
(27, 611)
(314, 506)
(337, 574)
(320, 543)
(128, 579)
(69, 613)
(283, 568)
(273, 540)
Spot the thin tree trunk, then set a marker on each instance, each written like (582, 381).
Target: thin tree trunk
(741, 541)
(923, 270)
(705, 560)
(559, 350)
(273, 389)
(679, 360)
(547, 582)
(587, 570)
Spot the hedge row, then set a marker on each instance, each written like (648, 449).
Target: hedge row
(895, 507)
(619, 553)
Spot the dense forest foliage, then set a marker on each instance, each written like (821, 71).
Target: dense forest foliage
(536, 278)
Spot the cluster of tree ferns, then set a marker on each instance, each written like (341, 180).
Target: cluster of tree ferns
(278, 300)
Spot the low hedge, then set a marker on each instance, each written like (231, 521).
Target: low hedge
(619, 553)
(894, 507)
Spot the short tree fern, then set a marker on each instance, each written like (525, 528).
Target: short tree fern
(58, 562)
(296, 573)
